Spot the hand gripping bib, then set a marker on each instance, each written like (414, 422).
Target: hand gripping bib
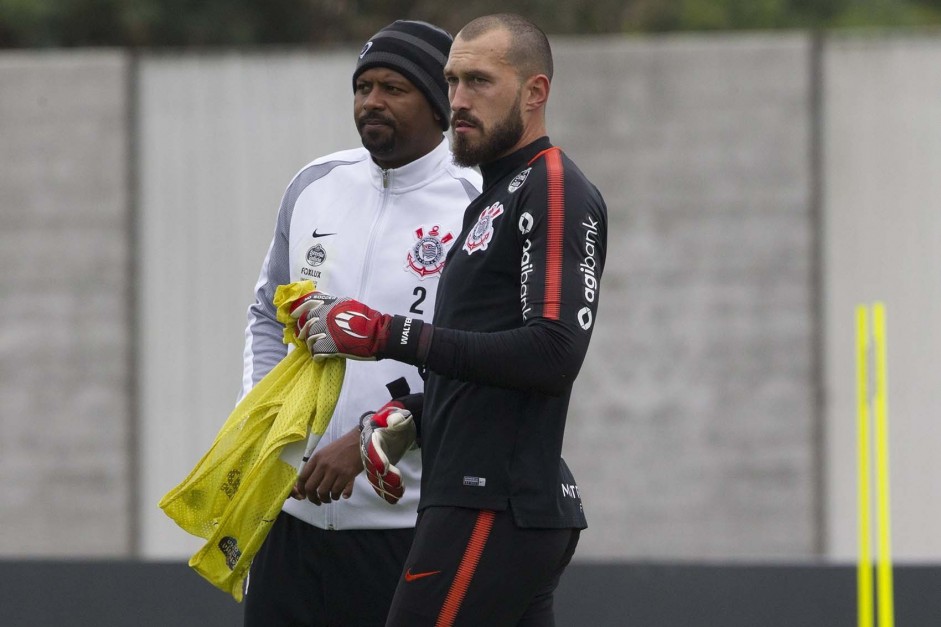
(235, 492)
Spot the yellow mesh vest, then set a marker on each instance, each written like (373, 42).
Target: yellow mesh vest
(236, 491)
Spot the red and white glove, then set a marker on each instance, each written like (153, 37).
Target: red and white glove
(385, 438)
(343, 327)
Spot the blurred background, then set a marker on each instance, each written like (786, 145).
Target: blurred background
(767, 165)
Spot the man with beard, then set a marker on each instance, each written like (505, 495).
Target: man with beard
(500, 513)
(375, 222)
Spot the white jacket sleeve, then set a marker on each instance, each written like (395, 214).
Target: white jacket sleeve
(264, 345)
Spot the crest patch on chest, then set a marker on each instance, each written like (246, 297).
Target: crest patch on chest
(480, 236)
(426, 256)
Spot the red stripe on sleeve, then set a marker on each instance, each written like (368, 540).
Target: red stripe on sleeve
(465, 572)
(555, 230)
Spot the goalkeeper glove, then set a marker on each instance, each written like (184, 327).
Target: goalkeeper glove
(385, 438)
(343, 327)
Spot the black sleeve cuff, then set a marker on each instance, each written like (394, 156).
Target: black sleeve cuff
(409, 340)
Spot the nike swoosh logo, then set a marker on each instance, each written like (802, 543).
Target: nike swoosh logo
(410, 576)
(315, 234)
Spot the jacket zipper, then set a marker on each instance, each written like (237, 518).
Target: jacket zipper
(373, 234)
(367, 264)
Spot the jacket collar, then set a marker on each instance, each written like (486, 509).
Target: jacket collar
(495, 171)
(412, 174)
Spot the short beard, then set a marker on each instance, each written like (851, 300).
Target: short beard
(505, 134)
(378, 144)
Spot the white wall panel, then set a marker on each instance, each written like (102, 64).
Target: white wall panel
(882, 208)
(220, 137)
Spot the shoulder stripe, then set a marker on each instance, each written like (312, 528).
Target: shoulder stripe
(469, 189)
(555, 176)
(311, 173)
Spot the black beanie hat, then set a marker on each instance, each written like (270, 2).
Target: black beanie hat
(418, 51)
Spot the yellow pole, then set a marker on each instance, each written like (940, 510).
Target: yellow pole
(884, 568)
(864, 592)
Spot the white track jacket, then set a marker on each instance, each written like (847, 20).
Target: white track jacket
(379, 236)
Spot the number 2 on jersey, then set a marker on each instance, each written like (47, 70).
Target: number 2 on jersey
(421, 293)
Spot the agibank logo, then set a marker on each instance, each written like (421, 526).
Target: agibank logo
(482, 233)
(590, 271)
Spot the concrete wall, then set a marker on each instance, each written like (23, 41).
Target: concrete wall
(696, 424)
(66, 382)
(704, 341)
(692, 427)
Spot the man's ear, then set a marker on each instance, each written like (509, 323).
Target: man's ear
(536, 92)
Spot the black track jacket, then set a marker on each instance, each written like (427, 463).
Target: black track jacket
(515, 309)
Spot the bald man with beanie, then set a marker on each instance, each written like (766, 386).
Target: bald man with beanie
(378, 222)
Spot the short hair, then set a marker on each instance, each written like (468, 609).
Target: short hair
(529, 49)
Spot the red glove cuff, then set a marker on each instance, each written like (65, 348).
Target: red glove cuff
(380, 417)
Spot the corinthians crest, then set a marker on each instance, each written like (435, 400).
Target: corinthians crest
(426, 256)
(482, 232)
